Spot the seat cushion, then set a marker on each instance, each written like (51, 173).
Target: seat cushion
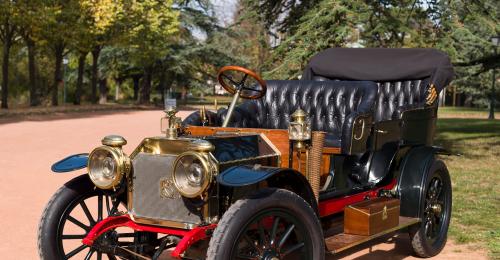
(327, 103)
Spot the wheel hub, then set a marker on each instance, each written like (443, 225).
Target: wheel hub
(436, 208)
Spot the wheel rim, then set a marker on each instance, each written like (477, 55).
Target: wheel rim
(73, 227)
(272, 235)
(436, 208)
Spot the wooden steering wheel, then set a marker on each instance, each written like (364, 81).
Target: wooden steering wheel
(233, 79)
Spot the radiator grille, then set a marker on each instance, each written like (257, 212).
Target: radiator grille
(149, 172)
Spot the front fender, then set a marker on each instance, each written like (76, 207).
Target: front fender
(71, 163)
(284, 178)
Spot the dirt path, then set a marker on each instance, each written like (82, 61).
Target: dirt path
(28, 148)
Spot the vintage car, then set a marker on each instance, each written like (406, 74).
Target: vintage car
(299, 169)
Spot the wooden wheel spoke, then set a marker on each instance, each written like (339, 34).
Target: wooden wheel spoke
(111, 257)
(87, 213)
(73, 236)
(78, 223)
(75, 251)
(293, 248)
(108, 207)
(99, 208)
(286, 235)
(250, 242)
(89, 254)
(262, 234)
(274, 230)
(114, 208)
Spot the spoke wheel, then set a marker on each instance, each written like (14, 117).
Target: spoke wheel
(273, 234)
(70, 214)
(75, 226)
(429, 238)
(271, 224)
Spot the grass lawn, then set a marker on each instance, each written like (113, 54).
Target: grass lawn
(475, 175)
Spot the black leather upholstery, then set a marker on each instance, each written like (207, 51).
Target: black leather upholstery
(395, 97)
(332, 107)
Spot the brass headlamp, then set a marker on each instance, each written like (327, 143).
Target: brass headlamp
(108, 164)
(299, 129)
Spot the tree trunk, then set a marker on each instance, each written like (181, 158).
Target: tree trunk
(145, 92)
(161, 87)
(95, 72)
(59, 52)
(30, 43)
(79, 79)
(136, 79)
(5, 73)
(103, 91)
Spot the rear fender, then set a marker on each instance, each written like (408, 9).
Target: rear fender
(71, 163)
(412, 178)
(246, 175)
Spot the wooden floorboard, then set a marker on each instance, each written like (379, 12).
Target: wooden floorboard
(342, 241)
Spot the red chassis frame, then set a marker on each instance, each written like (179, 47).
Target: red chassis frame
(189, 237)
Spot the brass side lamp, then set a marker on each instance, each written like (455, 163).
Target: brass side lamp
(299, 133)
(299, 130)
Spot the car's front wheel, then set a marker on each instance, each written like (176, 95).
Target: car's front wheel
(69, 215)
(269, 225)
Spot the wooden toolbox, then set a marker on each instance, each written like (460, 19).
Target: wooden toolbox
(371, 216)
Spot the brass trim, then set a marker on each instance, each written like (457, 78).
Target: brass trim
(362, 131)
(207, 177)
(114, 141)
(163, 223)
(375, 213)
(249, 158)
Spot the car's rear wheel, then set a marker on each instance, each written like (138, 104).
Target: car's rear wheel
(429, 238)
(70, 214)
(272, 224)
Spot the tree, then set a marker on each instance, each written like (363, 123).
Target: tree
(34, 16)
(151, 25)
(100, 21)
(8, 30)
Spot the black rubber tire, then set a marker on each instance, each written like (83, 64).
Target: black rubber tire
(61, 202)
(242, 211)
(421, 245)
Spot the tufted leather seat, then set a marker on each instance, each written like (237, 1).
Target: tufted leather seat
(395, 97)
(332, 107)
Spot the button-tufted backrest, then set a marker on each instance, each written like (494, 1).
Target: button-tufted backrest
(327, 103)
(395, 94)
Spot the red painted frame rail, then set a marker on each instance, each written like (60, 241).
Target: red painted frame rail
(337, 205)
(189, 237)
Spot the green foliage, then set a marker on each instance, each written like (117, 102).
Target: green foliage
(460, 28)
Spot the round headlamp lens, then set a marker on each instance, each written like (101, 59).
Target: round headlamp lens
(191, 174)
(195, 174)
(104, 167)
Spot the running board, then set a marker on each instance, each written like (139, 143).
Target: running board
(342, 241)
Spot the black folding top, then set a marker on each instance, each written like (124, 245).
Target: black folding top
(381, 65)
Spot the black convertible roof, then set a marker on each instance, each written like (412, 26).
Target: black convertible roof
(379, 64)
